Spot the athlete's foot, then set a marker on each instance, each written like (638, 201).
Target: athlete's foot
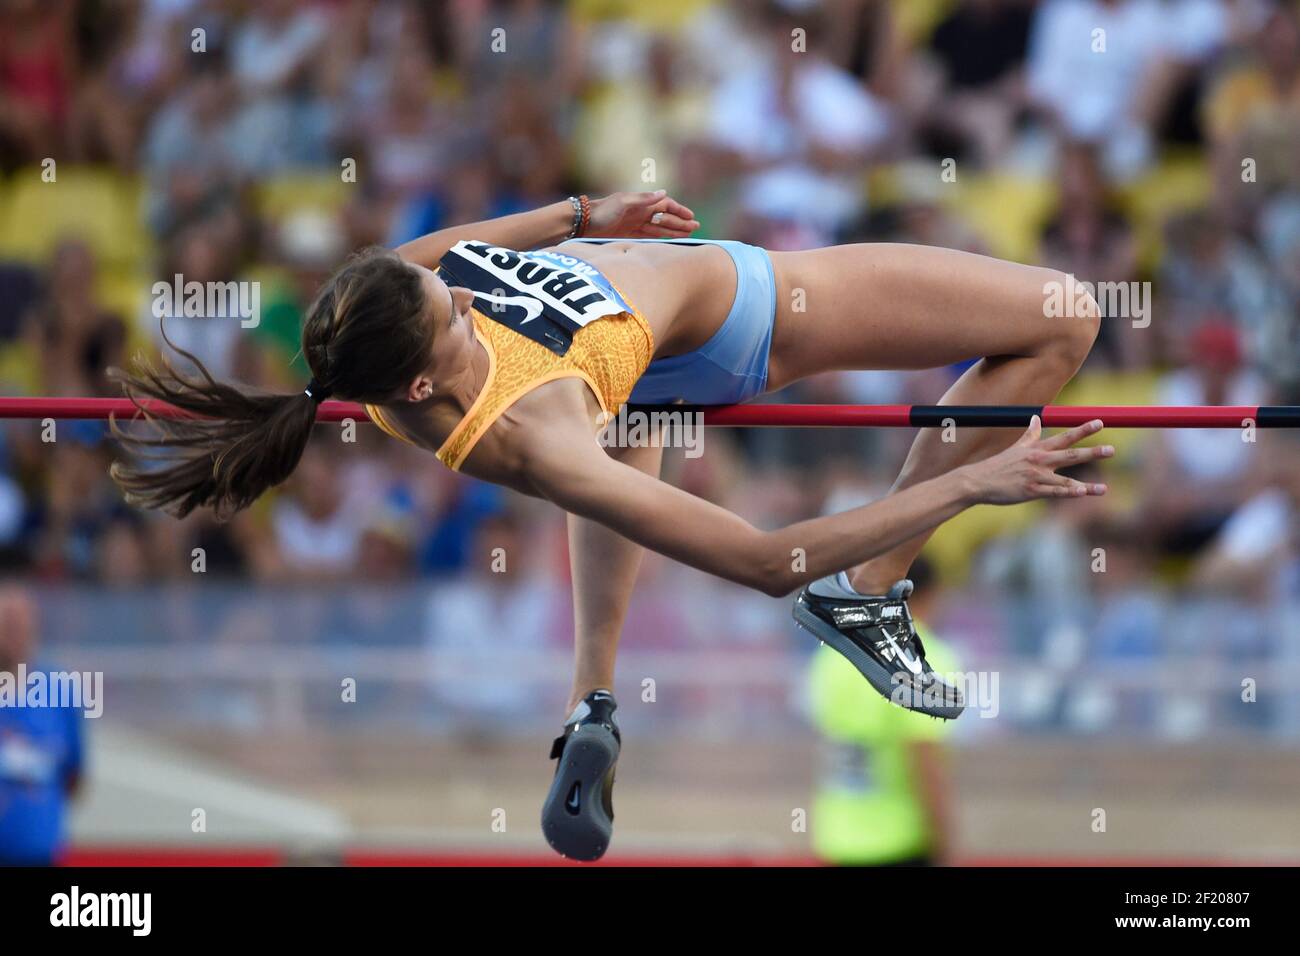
(578, 815)
(875, 633)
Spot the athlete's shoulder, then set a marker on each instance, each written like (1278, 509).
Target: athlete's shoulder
(541, 443)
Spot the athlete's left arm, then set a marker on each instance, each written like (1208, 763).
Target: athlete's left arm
(624, 215)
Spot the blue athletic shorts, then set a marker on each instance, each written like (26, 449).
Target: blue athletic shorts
(732, 365)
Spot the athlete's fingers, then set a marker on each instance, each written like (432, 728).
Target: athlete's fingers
(1073, 456)
(671, 205)
(1033, 432)
(1075, 435)
(1059, 486)
(1088, 489)
(1064, 489)
(1048, 477)
(1042, 490)
(666, 220)
(667, 204)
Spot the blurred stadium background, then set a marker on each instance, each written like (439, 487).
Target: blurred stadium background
(1173, 157)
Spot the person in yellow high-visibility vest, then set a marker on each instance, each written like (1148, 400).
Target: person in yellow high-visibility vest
(884, 788)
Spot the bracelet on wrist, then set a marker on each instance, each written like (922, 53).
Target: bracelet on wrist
(576, 226)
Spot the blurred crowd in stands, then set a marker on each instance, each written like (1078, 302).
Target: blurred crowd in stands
(1124, 141)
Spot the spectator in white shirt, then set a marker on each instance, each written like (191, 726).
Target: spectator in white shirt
(318, 526)
(800, 131)
(1102, 70)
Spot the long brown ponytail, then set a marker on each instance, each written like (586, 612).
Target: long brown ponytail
(365, 338)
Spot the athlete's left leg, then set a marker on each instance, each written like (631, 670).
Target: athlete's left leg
(604, 566)
(896, 306)
(578, 813)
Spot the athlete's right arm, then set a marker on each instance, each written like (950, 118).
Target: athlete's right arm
(624, 214)
(573, 471)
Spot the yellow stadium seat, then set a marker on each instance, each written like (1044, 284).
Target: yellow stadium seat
(281, 196)
(1112, 388)
(1006, 211)
(20, 368)
(98, 206)
(884, 185)
(662, 14)
(268, 276)
(955, 543)
(124, 291)
(915, 20)
(1179, 183)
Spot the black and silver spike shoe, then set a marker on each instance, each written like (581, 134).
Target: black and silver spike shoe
(876, 634)
(578, 815)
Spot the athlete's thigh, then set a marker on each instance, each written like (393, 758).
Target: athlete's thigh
(899, 306)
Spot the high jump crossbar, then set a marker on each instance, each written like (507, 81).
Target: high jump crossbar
(786, 416)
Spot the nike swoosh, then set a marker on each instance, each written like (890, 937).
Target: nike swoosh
(531, 306)
(580, 713)
(575, 797)
(909, 663)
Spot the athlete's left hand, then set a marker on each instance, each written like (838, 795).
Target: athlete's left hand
(652, 215)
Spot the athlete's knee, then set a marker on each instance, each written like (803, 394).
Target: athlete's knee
(1074, 331)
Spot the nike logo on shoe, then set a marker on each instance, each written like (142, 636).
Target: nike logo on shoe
(575, 797)
(910, 663)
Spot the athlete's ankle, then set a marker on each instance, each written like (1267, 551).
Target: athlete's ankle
(579, 694)
(870, 579)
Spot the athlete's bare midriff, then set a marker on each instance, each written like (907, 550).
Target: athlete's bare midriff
(684, 292)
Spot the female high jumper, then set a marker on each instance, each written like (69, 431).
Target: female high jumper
(507, 363)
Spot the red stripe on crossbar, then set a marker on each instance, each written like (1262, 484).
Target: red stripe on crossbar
(779, 416)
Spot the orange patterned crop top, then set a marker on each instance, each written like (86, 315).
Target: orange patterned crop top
(541, 316)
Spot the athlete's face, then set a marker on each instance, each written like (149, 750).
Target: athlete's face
(453, 335)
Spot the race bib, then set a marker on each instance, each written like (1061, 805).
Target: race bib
(546, 296)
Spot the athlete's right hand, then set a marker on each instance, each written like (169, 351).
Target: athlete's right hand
(647, 215)
(1027, 470)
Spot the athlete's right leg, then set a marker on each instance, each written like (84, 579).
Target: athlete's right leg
(898, 306)
(887, 306)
